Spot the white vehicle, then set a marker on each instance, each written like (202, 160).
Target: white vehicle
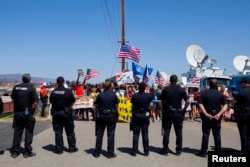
(199, 76)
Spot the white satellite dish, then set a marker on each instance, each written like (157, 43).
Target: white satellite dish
(240, 62)
(199, 55)
(194, 55)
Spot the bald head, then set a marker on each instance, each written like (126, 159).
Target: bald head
(213, 84)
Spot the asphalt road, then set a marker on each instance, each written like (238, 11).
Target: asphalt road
(43, 145)
(6, 131)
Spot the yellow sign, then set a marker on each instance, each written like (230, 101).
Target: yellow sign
(124, 109)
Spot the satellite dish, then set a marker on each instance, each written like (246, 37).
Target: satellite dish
(194, 55)
(212, 61)
(199, 55)
(240, 62)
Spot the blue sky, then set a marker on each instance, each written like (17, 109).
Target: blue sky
(48, 38)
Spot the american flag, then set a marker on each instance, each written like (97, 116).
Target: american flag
(91, 74)
(195, 80)
(129, 52)
(159, 79)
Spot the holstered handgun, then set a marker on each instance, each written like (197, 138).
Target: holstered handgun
(68, 111)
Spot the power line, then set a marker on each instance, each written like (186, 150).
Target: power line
(110, 27)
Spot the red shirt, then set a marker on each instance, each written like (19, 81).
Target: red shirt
(44, 92)
(79, 90)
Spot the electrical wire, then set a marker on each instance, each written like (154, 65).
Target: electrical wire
(110, 27)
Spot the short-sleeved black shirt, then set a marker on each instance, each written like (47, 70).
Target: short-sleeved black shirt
(61, 98)
(172, 96)
(141, 100)
(24, 96)
(106, 100)
(1, 105)
(212, 99)
(243, 97)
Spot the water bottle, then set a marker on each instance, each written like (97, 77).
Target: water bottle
(155, 99)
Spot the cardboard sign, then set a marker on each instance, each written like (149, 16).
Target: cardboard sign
(80, 72)
(126, 77)
(83, 102)
(124, 109)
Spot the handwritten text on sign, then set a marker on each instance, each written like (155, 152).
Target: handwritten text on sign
(83, 102)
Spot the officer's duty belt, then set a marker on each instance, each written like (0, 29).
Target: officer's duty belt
(212, 112)
(245, 110)
(107, 112)
(176, 109)
(141, 111)
(173, 110)
(31, 110)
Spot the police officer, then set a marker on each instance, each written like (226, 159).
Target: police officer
(62, 100)
(25, 99)
(106, 116)
(1, 110)
(140, 118)
(173, 113)
(213, 105)
(242, 101)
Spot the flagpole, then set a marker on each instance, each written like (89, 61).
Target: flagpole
(154, 85)
(84, 79)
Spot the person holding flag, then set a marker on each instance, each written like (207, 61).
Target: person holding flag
(79, 92)
(79, 88)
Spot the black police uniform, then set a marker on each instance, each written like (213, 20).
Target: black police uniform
(106, 116)
(24, 96)
(172, 113)
(1, 105)
(243, 117)
(62, 100)
(1, 110)
(212, 100)
(140, 120)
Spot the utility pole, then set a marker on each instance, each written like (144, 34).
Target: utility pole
(123, 34)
